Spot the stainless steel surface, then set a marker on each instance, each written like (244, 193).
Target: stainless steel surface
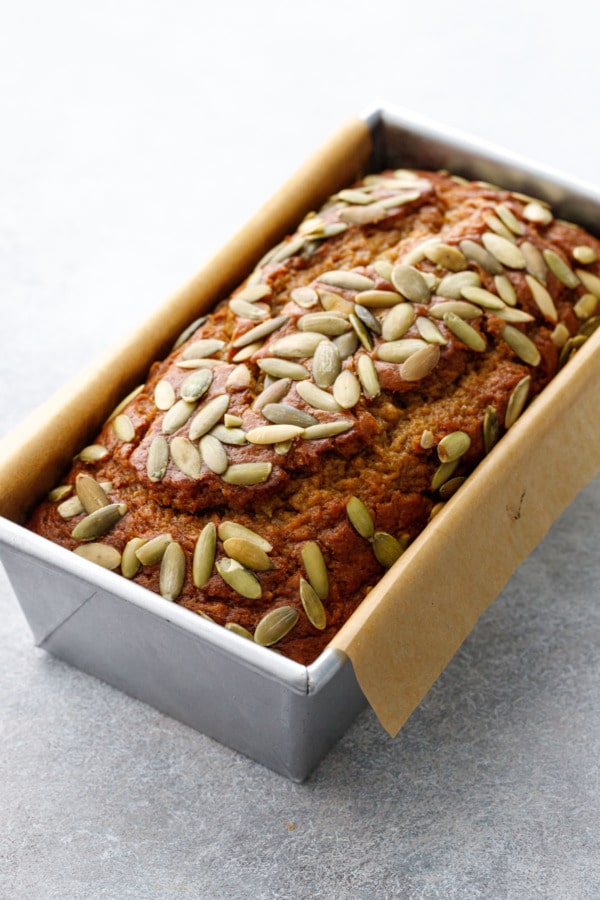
(283, 715)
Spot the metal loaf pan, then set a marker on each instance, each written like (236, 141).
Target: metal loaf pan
(284, 715)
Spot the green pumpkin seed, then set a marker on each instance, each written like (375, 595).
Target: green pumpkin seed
(90, 493)
(305, 297)
(239, 630)
(196, 385)
(542, 298)
(451, 285)
(534, 261)
(429, 331)
(176, 417)
(272, 394)
(367, 374)
(482, 297)
(400, 351)
(386, 549)
(360, 518)
(208, 416)
(130, 564)
(97, 523)
(324, 323)
(158, 458)
(453, 446)
(482, 257)
(346, 389)
(164, 395)
(59, 493)
(421, 363)
(124, 428)
(376, 299)
(239, 578)
(253, 292)
(203, 559)
(315, 568)
(273, 434)
(537, 212)
(590, 282)
(465, 332)
(584, 254)
(347, 281)
(93, 453)
(275, 625)
(260, 331)
(203, 348)
(326, 364)
(317, 397)
(521, 345)
(410, 283)
(247, 473)
(327, 429)
(446, 256)
(517, 401)
(186, 456)
(172, 572)
(397, 322)
(312, 605)
(444, 472)
(189, 331)
(283, 368)
(491, 428)
(560, 269)
(151, 552)
(102, 554)
(247, 553)
(283, 414)
(586, 306)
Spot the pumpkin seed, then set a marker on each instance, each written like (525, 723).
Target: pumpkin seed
(130, 564)
(247, 553)
(410, 283)
(315, 568)
(172, 572)
(97, 523)
(247, 352)
(102, 554)
(478, 254)
(460, 308)
(151, 552)
(305, 297)
(273, 434)
(376, 299)
(560, 335)
(283, 368)
(208, 416)
(312, 605)
(189, 331)
(298, 345)
(507, 253)
(590, 282)
(446, 256)
(324, 323)
(367, 374)
(427, 439)
(317, 397)
(326, 364)
(253, 292)
(245, 310)
(443, 473)
(521, 345)
(482, 297)
(123, 428)
(346, 389)
(400, 351)
(584, 254)
(560, 269)
(498, 227)
(505, 289)
(360, 518)
(507, 216)
(260, 331)
(176, 417)
(292, 246)
(367, 318)
(352, 195)
(228, 530)
(272, 394)
(92, 453)
(275, 625)
(451, 285)
(164, 395)
(203, 348)
(346, 280)
(516, 401)
(196, 385)
(213, 454)
(508, 314)
(59, 493)
(465, 332)
(362, 215)
(347, 344)
(453, 446)
(384, 269)
(386, 549)
(229, 435)
(158, 458)
(203, 559)
(429, 331)
(326, 429)
(126, 401)
(491, 428)
(534, 261)
(361, 332)
(90, 493)
(239, 630)
(421, 363)
(542, 298)
(397, 322)
(283, 414)
(239, 578)
(538, 213)
(186, 456)
(586, 306)
(335, 303)
(247, 473)
(450, 487)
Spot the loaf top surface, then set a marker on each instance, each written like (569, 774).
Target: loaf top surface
(299, 437)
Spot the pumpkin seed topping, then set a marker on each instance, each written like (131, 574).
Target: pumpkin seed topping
(247, 473)
(203, 559)
(507, 253)
(328, 323)
(538, 213)
(208, 416)
(130, 564)
(273, 434)
(451, 285)
(360, 518)
(560, 335)
(505, 289)
(386, 549)
(317, 397)
(367, 318)
(326, 364)
(97, 523)
(361, 331)
(478, 254)
(397, 322)
(327, 429)
(254, 292)
(306, 297)
(59, 493)
(92, 453)
(102, 554)
(584, 254)
(453, 446)
(460, 308)
(312, 605)
(443, 473)
(259, 331)
(446, 256)
(560, 269)
(275, 625)
(368, 377)
(203, 348)
(247, 553)
(239, 630)
(158, 458)
(176, 417)
(429, 331)
(196, 385)
(542, 298)
(126, 401)
(534, 261)
(347, 344)
(123, 428)
(247, 352)
(151, 552)
(346, 389)
(465, 332)
(482, 297)
(245, 310)
(90, 493)
(172, 571)
(283, 414)
(229, 529)
(410, 283)
(507, 216)
(164, 395)
(517, 401)
(213, 454)
(522, 345)
(239, 578)
(399, 351)
(315, 568)
(186, 456)
(384, 269)
(421, 363)
(491, 428)
(272, 394)
(450, 487)
(590, 282)
(586, 306)
(498, 227)
(376, 299)
(348, 281)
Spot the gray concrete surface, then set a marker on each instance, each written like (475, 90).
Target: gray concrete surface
(136, 137)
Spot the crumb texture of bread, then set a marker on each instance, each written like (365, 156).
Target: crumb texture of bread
(296, 440)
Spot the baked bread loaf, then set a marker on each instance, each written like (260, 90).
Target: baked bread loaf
(298, 438)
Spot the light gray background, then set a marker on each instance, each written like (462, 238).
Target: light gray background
(136, 137)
